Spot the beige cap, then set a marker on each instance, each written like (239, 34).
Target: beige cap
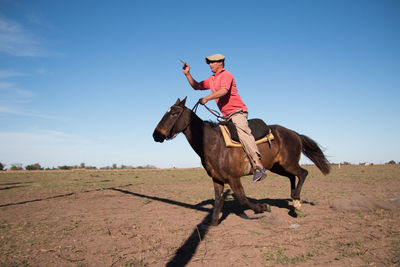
(216, 57)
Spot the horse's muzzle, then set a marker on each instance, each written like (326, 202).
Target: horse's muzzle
(158, 137)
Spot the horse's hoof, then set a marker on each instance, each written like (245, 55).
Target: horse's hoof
(260, 208)
(214, 223)
(297, 204)
(243, 215)
(266, 207)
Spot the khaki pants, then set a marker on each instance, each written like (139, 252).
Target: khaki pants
(246, 138)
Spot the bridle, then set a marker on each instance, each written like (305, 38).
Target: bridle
(173, 125)
(194, 110)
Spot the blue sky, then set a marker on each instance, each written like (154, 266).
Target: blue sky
(88, 81)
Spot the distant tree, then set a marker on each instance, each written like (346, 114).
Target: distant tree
(391, 162)
(65, 167)
(346, 163)
(16, 167)
(146, 167)
(150, 167)
(1, 166)
(33, 167)
(105, 168)
(82, 165)
(114, 166)
(91, 168)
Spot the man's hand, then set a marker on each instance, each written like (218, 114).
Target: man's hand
(203, 100)
(185, 68)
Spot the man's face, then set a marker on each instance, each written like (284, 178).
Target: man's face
(215, 66)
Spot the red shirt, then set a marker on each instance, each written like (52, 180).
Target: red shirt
(230, 102)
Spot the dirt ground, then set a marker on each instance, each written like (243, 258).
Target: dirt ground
(160, 218)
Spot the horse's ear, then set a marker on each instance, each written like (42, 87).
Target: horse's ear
(177, 102)
(183, 101)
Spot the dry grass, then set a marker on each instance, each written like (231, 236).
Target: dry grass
(158, 217)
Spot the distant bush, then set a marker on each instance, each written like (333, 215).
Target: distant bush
(65, 167)
(16, 167)
(105, 168)
(391, 162)
(125, 167)
(1, 166)
(146, 167)
(33, 167)
(115, 167)
(90, 167)
(346, 163)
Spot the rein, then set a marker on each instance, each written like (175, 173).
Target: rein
(194, 110)
(212, 111)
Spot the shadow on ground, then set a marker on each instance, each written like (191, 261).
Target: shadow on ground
(185, 253)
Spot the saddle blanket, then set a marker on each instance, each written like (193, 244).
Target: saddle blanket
(259, 129)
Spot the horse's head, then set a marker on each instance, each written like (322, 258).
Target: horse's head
(172, 123)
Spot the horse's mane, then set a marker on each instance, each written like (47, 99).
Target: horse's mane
(211, 124)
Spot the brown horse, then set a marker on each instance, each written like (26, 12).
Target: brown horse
(227, 165)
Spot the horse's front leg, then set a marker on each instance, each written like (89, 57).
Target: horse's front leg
(237, 188)
(219, 201)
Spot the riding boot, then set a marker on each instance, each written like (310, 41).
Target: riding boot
(259, 174)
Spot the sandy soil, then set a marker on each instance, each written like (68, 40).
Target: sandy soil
(350, 218)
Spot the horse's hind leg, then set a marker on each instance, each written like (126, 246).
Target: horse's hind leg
(295, 194)
(218, 189)
(292, 179)
(237, 188)
(291, 172)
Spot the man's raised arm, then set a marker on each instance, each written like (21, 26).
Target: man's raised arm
(192, 82)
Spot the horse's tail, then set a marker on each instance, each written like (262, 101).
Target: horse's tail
(315, 154)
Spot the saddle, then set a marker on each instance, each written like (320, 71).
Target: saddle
(260, 130)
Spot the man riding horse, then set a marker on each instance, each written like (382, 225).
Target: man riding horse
(224, 91)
